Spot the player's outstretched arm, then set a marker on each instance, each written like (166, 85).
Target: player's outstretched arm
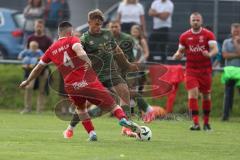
(33, 75)
(122, 61)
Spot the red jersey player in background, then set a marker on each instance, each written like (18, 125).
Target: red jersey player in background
(80, 81)
(199, 45)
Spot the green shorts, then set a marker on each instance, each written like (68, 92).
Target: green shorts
(113, 80)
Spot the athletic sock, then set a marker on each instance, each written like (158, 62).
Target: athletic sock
(206, 106)
(141, 103)
(70, 127)
(193, 107)
(118, 113)
(87, 124)
(75, 120)
(127, 110)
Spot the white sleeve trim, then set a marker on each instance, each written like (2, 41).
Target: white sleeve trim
(180, 46)
(75, 44)
(43, 63)
(212, 42)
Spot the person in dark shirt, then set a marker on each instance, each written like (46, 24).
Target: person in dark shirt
(44, 42)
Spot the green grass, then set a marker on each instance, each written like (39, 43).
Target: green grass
(39, 137)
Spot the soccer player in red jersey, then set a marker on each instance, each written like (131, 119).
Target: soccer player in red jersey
(81, 82)
(199, 45)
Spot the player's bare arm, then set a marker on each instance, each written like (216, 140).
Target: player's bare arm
(78, 49)
(213, 50)
(33, 75)
(179, 54)
(123, 62)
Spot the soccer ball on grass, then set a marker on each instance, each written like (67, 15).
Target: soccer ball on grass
(145, 134)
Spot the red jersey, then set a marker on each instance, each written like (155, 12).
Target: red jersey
(195, 44)
(67, 61)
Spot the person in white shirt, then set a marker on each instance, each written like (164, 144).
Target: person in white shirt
(161, 11)
(131, 12)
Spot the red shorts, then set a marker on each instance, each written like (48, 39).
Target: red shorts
(202, 82)
(95, 93)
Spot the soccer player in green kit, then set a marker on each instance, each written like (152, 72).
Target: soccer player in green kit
(127, 44)
(106, 57)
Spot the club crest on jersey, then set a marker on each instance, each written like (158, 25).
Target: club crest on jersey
(105, 37)
(201, 39)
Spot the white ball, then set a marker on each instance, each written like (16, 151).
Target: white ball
(146, 133)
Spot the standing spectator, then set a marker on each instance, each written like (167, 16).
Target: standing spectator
(56, 11)
(161, 11)
(34, 10)
(44, 42)
(231, 54)
(131, 12)
(199, 45)
(29, 59)
(137, 33)
(142, 44)
(39, 36)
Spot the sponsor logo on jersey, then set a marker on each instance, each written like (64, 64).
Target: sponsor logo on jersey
(78, 85)
(91, 42)
(197, 48)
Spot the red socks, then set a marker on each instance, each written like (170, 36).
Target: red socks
(87, 124)
(193, 107)
(118, 112)
(206, 107)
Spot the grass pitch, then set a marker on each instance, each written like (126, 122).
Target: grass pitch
(39, 137)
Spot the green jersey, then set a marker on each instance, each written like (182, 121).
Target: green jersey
(101, 49)
(126, 43)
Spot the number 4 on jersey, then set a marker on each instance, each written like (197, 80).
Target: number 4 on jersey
(67, 60)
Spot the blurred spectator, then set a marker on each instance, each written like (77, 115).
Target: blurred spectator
(137, 33)
(77, 33)
(40, 36)
(142, 44)
(231, 54)
(34, 10)
(56, 11)
(29, 59)
(161, 11)
(30, 56)
(131, 12)
(42, 81)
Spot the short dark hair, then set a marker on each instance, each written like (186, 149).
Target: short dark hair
(196, 14)
(64, 25)
(96, 14)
